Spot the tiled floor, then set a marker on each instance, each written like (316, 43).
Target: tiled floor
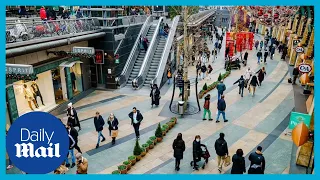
(259, 120)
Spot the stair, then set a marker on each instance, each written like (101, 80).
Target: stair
(155, 61)
(138, 62)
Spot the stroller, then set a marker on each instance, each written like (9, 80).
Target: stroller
(205, 155)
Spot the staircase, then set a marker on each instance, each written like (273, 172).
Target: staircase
(155, 61)
(138, 63)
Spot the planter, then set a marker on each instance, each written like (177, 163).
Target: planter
(166, 127)
(164, 132)
(133, 160)
(144, 152)
(175, 120)
(127, 164)
(123, 169)
(173, 123)
(116, 172)
(146, 147)
(151, 146)
(170, 125)
(154, 139)
(138, 157)
(159, 139)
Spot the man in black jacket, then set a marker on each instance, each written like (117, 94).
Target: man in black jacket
(71, 152)
(258, 163)
(74, 133)
(265, 56)
(221, 148)
(221, 109)
(295, 74)
(98, 124)
(136, 118)
(241, 85)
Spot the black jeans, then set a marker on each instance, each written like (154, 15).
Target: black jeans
(241, 90)
(136, 129)
(178, 162)
(294, 79)
(77, 147)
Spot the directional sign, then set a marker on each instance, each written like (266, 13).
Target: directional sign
(299, 49)
(304, 68)
(296, 118)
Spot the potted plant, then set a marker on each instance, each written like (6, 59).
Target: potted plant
(137, 151)
(169, 124)
(116, 172)
(172, 122)
(220, 77)
(166, 127)
(151, 144)
(123, 169)
(144, 152)
(154, 139)
(175, 120)
(146, 146)
(132, 159)
(164, 131)
(158, 133)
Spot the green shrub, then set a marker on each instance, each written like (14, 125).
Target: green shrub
(150, 142)
(145, 145)
(131, 158)
(205, 87)
(116, 172)
(158, 132)
(165, 126)
(122, 167)
(143, 149)
(220, 77)
(152, 138)
(163, 129)
(126, 163)
(137, 149)
(172, 121)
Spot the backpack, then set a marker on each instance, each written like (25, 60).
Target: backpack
(241, 82)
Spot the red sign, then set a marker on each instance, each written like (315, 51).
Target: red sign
(99, 59)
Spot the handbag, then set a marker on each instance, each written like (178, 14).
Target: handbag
(114, 133)
(227, 161)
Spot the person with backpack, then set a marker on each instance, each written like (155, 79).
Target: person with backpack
(257, 162)
(98, 124)
(221, 105)
(206, 108)
(221, 148)
(241, 83)
(259, 55)
(203, 70)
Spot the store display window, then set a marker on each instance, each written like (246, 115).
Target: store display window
(76, 78)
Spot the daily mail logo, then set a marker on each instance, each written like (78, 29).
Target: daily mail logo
(37, 143)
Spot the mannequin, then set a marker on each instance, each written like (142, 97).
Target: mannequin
(36, 91)
(73, 79)
(29, 95)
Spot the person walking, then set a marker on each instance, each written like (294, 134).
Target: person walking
(221, 88)
(136, 118)
(180, 83)
(261, 45)
(145, 44)
(247, 76)
(206, 108)
(113, 126)
(82, 164)
(253, 84)
(241, 83)
(265, 56)
(284, 52)
(169, 75)
(178, 147)
(155, 95)
(79, 14)
(238, 163)
(43, 14)
(71, 152)
(215, 54)
(257, 162)
(209, 71)
(98, 124)
(198, 68)
(196, 151)
(295, 74)
(261, 74)
(221, 109)
(219, 47)
(221, 148)
(256, 44)
(203, 71)
(273, 50)
(245, 57)
(73, 116)
(74, 133)
(259, 55)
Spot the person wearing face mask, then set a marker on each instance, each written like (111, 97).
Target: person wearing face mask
(197, 151)
(98, 124)
(113, 126)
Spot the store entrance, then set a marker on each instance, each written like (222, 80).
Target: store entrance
(57, 87)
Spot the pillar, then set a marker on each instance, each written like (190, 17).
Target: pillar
(306, 31)
(295, 23)
(301, 25)
(69, 83)
(291, 50)
(310, 44)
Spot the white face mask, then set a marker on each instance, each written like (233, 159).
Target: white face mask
(198, 140)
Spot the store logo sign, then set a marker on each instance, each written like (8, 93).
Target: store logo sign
(83, 50)
(19, 69)
(304, 68)
(299, 49)
(37, 143)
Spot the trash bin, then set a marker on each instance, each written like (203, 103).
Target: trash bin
(180, 107)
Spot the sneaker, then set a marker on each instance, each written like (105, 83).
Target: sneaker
(210, 119)
(97, 146)
(103, 139)
(204, 119)
(73, 164)
(196, 169)
(9, 167)
(217, 121)
(178, 168)
(226, 120)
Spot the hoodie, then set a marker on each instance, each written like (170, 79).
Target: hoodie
(257, 160)
(43, 14)
(238, 165)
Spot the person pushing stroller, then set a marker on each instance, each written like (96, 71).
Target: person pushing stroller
(199, 151)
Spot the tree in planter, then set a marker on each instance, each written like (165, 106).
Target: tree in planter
(158, 133)
(205, 87)
(220, 77)
(137, 151)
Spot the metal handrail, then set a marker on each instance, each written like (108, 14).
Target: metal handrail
(165, 54)
(198, 20)
(138, 81)
(122, 79)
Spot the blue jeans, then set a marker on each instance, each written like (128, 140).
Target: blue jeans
(99, 136)
(219, 95)
(169, 79)
(10, 162)
(223, 115)
(73, 158)
(259, 59)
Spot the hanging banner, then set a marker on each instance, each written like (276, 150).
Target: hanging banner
(296, 118)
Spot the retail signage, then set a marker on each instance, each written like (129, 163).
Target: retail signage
(117, 61)
(84, 50)
(99, 57)
(296, 118)
(19, 69)
(299, 49)
(304, 68)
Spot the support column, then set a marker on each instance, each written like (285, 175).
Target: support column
(293, 54)
(310, 44)
(69, 83)
(295, 23)
(306, 31)
(301, 24)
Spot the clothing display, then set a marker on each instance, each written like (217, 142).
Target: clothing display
(73, 80)
(29, 95)
(36, 92)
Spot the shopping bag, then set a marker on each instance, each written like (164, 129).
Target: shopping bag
(227, 161)
(114, 133)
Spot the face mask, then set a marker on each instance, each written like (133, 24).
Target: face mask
(198, 140)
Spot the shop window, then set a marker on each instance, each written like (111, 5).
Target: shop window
(76, 78)
(57, 85)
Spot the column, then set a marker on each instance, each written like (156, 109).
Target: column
(295, 23)
(301, 24)
(310, 44)
(306, 31)
(69, 83)
(293, 54)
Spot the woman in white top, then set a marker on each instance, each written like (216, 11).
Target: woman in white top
(247, 76)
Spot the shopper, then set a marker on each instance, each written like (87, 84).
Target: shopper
(221, 88)
(197, 151)
(43, 14)
(74, 133)
(82, 164)
(169, 75)
(245, 57)
(73, 116)
(98, 124)
(209, 71)
(180, 83)
(273, 50)
(247, 76)
(113, 127)
(257, 162)
(253, 84)
(178, 148)
(261, 45)
(136, 118)
(241, 84)
(256, 44)
(145, 44)
(259, 55)
(71, 152)
(155, 95)
(219, 47)
(203, 71)
(265, 56)
(295, 74)
(79, 14)
(261, 74)
(238, 163)
(206, 108)
(221, 109)
(221, 148)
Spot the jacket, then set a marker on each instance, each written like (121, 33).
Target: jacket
(221, 147)
(248, 74)
(43, 14)
(266, 54)
(259, 54)
(114, 124)
(82, 166)
(240, 82)
(254, 81)
(98, 123)
(295, 72)
(197, 151)
(74, 133)
(139, 117)
(257, 160)
(238, 165)
(71, 142)
(222, 105)
(203, 68)
(180, 82)
(178, 148)
(206, 103)
(261, 75)
(221, 87)
(245, 56)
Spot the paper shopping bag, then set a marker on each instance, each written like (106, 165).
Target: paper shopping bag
(114, 133)
(227, 161)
